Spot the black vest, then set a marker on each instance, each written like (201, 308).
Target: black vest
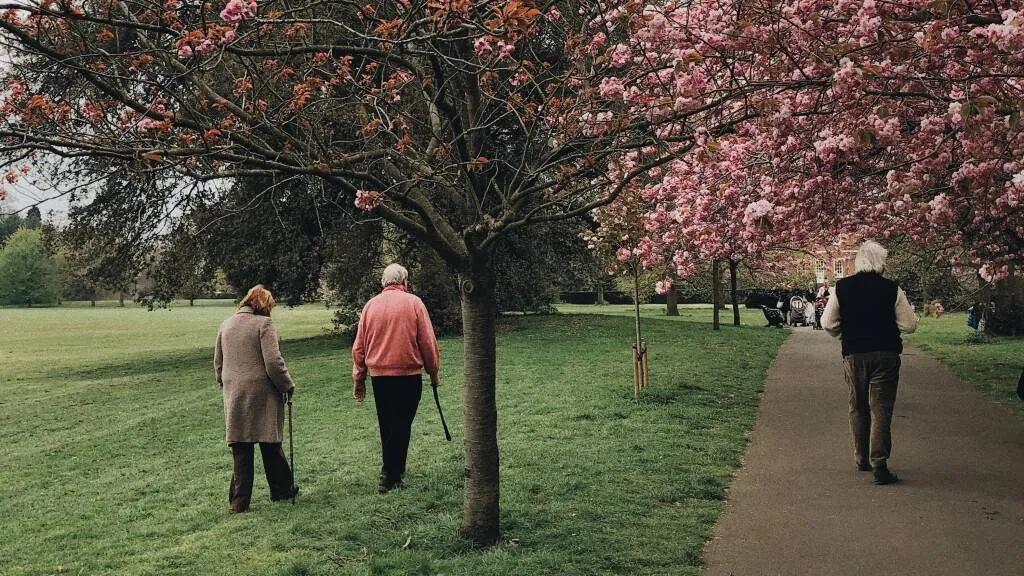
(867, 310)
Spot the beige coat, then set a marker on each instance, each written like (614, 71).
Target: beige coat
(253, 375)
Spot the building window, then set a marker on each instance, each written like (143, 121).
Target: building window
(839, 268)
(819, 272)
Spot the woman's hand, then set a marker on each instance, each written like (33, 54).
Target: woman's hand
(359, 391)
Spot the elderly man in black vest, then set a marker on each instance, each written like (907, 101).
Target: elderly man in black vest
(868, 312)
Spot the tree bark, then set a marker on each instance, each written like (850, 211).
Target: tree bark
(716, 291)
(600, 293)
(732, 291)
(191, 302)
(672, 303)
(479, 410)
(1008, 296)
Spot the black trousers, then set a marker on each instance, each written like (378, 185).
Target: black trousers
(279, 474)
(396, 399)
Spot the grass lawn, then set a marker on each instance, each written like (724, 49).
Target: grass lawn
(114, 459)
(993, 367)
(687, 312)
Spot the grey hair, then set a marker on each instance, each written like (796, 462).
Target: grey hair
(394, 274)
(871, 257)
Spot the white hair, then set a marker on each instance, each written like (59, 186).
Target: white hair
(394, 274)
(871, 257)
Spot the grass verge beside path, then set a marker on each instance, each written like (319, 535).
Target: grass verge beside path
(114, 461)
(993, 366)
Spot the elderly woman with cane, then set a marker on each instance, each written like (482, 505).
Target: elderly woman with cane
(394, 343)
(256, 387)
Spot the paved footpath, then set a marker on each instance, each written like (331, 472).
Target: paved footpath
(798, 506)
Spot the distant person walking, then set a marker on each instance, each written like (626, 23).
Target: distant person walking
(868, 312)
(394, 343)
(255, 380)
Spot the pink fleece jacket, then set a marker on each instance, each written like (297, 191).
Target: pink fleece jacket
(395, 337)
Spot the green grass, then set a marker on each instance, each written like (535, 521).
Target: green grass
(114, 460)
(687, 312)
(993, 366)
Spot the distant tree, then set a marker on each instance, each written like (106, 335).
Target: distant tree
(33, 219)
(28, 273)
(181, 268)
(10, 221)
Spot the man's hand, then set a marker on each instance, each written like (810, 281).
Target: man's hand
(359, 391)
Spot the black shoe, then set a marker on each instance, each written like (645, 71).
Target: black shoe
(293, 493)
(864, 466)
(387, 485)
(883, 476)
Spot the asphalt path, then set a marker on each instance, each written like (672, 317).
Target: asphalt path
(799, 506)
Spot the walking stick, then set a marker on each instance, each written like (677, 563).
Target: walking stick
(437, 401)
(291, 445)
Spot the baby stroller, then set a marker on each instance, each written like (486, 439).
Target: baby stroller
(819, 310)
(797, 317)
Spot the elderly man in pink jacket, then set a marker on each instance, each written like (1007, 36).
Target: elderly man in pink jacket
(394, 343)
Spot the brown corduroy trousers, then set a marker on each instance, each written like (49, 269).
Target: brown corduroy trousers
(873, 378)
(279, 474)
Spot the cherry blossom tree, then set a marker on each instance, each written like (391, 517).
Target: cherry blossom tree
(460, 122)
(875, 119)
(457, 122)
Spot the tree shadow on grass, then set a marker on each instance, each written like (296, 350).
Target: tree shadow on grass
(197, 360)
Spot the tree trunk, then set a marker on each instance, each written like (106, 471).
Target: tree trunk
(732, 292)
(120, 299)
(92, 303)
(479, 411)
(716, 291)
(1008, 296)
(672, 302)
(600, 293)
(636, 302)
(191, 301)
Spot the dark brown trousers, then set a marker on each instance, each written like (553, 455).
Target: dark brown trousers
(279, 474)
(873, 378)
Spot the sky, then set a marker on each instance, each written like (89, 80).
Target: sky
(21, 195)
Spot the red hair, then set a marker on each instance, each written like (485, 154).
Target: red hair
(259, 299)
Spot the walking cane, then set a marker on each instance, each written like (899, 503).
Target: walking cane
(291, 444)
(437, 401)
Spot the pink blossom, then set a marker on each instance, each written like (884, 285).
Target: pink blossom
(663, 286)
(611, 88)
(505, 50)
(206, 46)
(236, 10)
(990, 273)
(368, 200)
(757, 210)
(553, 15)
(620, 55)
(623, 254)
(482, 46)
(185, 51)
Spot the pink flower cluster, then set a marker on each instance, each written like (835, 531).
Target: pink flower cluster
(368, 200)
(236, 10)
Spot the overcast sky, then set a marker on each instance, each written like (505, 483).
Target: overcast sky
(21, 195)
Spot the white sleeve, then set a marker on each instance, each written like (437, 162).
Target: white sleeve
(906, 319)
(831, 321)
